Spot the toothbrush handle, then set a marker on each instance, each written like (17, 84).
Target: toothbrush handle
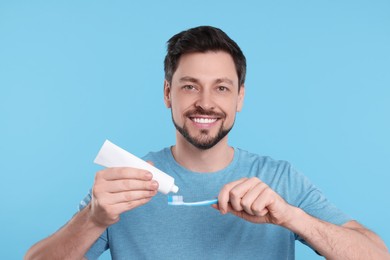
(202, 203)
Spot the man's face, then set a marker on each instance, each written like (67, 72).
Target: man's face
(204, 97)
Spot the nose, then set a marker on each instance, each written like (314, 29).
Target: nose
(205, 101)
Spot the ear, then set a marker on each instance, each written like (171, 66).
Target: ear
(167, 94)
(241, 95)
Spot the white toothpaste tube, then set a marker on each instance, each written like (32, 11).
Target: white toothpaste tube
(111, 155)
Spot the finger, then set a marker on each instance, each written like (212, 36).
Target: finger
(246, 216)
(249, 198)
(266, 198)
(115, 198)
(110, 174)
(130, 185)
(223, 196)
(136, 203)
(119, 208)
(239, 191)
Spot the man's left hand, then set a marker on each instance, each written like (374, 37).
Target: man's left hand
(254, 201)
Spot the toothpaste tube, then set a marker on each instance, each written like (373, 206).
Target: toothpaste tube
(111, 155)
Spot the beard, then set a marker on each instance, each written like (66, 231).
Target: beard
(203, 141)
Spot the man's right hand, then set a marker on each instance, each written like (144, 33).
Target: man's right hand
(117, 190)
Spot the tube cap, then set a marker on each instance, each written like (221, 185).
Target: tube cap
(174, 188)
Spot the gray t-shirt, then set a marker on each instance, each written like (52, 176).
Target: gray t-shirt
(159, 231)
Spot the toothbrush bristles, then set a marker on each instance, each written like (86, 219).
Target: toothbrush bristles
(179, 201)
(175, 199)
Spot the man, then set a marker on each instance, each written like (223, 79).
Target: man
(263, 205)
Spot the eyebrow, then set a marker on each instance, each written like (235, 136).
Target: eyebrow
(224, 80)
(217, 81)
(188, 79)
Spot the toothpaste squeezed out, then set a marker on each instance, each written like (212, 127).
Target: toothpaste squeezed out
(111, 155)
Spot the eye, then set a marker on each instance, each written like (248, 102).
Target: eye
(188, 87)
(222, 88)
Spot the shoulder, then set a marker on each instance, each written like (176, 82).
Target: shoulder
(278, 174)
(158, 153)
(262, 161)
(158, 156)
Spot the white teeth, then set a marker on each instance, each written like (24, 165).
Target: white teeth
(204, 120)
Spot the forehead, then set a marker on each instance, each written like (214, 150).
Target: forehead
(206, 66)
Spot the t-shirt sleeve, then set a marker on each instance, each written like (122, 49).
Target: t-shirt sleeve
(311, 200)
(101, 244)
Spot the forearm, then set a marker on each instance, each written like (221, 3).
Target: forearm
(336, 242)
(72, 241)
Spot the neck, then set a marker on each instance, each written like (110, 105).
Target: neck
(198, 160)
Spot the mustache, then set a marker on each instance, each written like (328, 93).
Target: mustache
(203, 112)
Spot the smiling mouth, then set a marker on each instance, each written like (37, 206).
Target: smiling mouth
(202, 120)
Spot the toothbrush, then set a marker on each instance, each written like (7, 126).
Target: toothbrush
(178, 201)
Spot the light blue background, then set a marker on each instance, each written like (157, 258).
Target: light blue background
(73, 73)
